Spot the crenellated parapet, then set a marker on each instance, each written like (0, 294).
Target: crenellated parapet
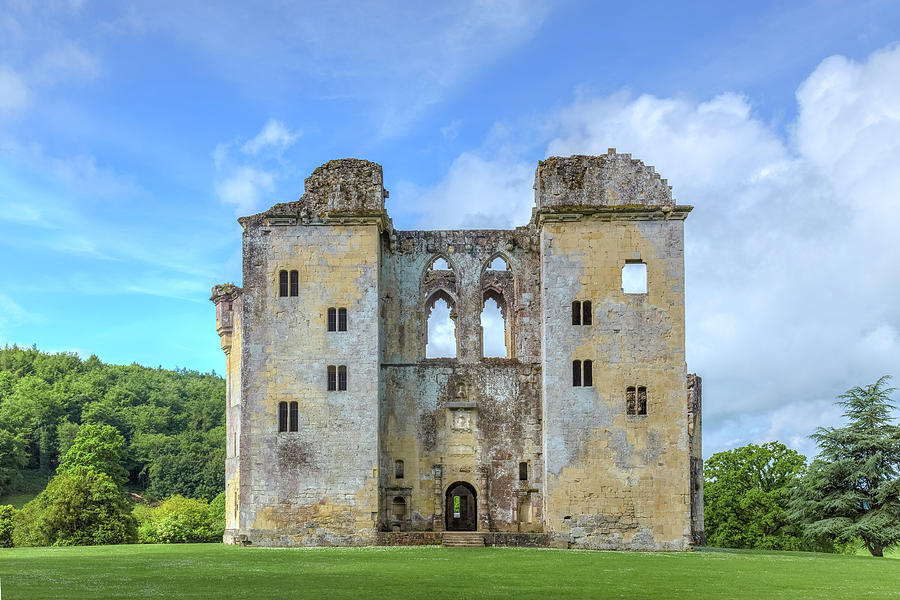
(612, 183)
(348, 191)
(224, 296)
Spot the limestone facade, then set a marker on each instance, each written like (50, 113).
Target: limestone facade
(342, 432)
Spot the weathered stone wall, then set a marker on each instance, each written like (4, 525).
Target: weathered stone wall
(318, 485)
(614, 480)
(695, 434)
(596, 477)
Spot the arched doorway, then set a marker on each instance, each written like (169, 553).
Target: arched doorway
(461, 507)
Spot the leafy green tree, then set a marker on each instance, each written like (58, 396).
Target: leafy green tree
(178, 520)
(852, 490)
(747, 494)
(7, 515)
(12, 459)
(100, 447)
(80, 507)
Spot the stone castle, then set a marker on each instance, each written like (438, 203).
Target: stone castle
(342, 432)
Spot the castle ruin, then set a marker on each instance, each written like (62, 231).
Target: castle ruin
(341, 432)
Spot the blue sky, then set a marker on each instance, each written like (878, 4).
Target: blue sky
(132, 135)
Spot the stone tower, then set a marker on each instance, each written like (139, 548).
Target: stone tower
(342, 432)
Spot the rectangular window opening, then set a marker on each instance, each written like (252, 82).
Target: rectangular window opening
(332, 319)
(295, 283)
(342, 319)
(523, 471)
(642, 401)
(634, 278)
(576, 313)
(576, 373)
(332, 378)
(588, 380)
(295, 417)
(342, 378)
(283, 283)
(282, 416)
(586, 316)
(398, 469)
(630, 401)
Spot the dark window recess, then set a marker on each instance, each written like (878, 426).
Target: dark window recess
(523, 471)
(398, 469)
(295, 283)
(576, 313)
(295, 417)
(642, 401)
(588, 379)
(332, 378)
(342, 378)
(576, 373)
(630, 401)
(342, 319)
(283, 283)
(332, 319)
(282, 416)
(586, 316)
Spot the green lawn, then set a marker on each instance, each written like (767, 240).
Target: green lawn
(218, 571)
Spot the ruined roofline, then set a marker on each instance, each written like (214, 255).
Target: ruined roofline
(351, 191)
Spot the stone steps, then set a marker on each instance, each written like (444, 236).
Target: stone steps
(463, 539)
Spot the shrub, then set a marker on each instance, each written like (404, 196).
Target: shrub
(80, 507)
(217, 516)
(7, 514)
(177, 520)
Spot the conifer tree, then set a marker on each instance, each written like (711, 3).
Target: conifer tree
(852, 490)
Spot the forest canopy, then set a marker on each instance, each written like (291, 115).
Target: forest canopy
(172, 421)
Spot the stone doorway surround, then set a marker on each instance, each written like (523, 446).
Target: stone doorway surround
(461, 507)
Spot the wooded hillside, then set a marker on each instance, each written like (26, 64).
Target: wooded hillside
(173, 421)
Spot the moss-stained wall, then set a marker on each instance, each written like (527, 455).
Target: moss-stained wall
(594, 476)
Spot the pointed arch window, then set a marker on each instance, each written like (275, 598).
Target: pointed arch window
(440, 326)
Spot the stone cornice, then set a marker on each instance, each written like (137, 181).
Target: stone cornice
(613, 213)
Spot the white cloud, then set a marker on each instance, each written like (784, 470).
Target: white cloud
(14, 93)
(477, 193)
(245, 188)
(791, 253)
(274, 135)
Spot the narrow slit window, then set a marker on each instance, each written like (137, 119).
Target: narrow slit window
(294, 417)
(576, 313)
(523, 471)
(295, 283)
(398, 469)
(588, 380)
(642, 401)
(630, 401)
(283, 283)
(342, 319)
(634, 278)
(586, 316)
(342, 378)
(282, 416)
(576, 373)
(332, 319)
(332, 378)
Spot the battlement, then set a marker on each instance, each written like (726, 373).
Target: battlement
(608, 180)
(347, 187)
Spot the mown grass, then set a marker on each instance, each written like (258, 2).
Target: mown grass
(218, 571)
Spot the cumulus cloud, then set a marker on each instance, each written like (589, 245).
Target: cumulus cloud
(274, 135)
(791, 253)
(246, 180)
(245, 188)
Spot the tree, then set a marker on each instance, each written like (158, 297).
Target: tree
(80, 507)
(747, 495)
(852, 490)
(7, 516)
(12, 459)
(100, 447)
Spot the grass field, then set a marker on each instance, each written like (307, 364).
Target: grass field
(218, 571)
